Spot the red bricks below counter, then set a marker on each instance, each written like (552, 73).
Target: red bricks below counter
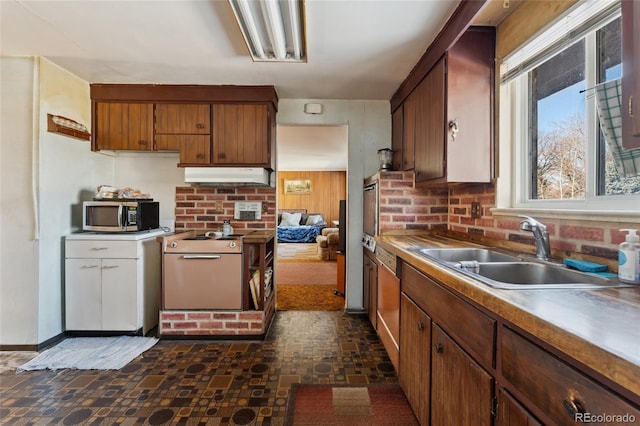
(212, 323)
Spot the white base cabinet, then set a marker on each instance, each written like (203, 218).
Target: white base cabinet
(112, 285)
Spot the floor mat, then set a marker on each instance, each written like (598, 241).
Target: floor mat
(91, 353)
(375, 404)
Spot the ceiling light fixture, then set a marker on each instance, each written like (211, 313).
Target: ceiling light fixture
(272, 29)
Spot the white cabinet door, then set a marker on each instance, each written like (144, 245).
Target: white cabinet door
(83, 294)
(119, 294)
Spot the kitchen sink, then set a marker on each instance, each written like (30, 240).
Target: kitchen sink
(532, 275)
(510, 272)
(468, 255)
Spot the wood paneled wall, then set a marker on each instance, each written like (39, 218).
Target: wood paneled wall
(327, 189)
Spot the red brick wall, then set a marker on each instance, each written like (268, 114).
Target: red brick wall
(205, 208)
(209, 323)
(594, 238)
(403, 207)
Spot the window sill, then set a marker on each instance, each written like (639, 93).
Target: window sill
(583, 215)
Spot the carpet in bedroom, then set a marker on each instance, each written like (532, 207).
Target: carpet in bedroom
(306, 286)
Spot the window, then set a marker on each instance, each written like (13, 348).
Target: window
(560, 156)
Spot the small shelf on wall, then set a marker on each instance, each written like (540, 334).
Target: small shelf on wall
(65, 126)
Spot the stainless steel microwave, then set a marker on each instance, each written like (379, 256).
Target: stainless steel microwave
(120, 216)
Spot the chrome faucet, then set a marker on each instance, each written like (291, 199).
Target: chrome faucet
(540, 233)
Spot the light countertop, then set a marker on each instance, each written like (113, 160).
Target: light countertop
(117, 236)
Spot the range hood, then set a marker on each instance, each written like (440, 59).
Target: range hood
(227, 176)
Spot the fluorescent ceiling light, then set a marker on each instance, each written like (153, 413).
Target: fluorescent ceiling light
(272, 29)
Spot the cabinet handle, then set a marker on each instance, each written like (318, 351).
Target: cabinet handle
(99, 248)
(573, 406)
(109, 266)
(221, 155)
(142, 142)
(420, 325)
(199, 156)
(88, 266)
(199, 126)
(453, 129)
(439, 347)
(630, 106)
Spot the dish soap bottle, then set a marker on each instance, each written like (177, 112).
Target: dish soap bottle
(629, 258)
(226, 228)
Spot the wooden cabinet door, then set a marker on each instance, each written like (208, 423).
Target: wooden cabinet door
(415, 357)
(396, 138)
(124, 126)
(194, 149)
(511, 413)
(409, 132)
(461, 391)
(429, 125)
(241, 135)
(370, 279)
(630, 70)
(468, 122)
(186, 119)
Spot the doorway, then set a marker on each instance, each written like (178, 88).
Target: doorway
(311, 181)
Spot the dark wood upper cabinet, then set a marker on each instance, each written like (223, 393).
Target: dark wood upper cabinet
(208, 125)
(630, 71)
(396, 139)
(429, 158)
(184, 119)
(123, 126)
(241, 135)
(448, 118)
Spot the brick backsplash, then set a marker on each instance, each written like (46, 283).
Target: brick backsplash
(203, 208)
(404, 207)
(593, 238)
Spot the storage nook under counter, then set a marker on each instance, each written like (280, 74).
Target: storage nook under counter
(239, 291)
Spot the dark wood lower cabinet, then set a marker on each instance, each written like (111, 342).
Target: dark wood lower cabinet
(415, 357)
(512, 413)
(565, 395)
(370, 280)
(461, 391)
(462, 364)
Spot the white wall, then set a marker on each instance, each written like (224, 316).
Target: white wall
(68, 172)
(369, 130)
(156, 174)
(18, 248)
(43, 180)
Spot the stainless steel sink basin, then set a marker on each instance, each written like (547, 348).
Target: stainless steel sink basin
(531, 275)
(468, 255)
(504, 271)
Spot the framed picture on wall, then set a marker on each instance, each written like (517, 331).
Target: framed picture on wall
(297, 186)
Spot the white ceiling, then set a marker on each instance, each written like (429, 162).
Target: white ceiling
(357, 49)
